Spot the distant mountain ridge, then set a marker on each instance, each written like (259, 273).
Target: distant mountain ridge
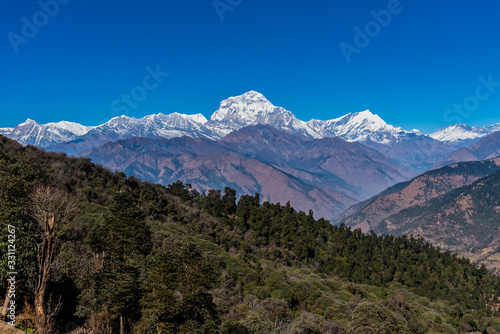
(464, 135)
(32, 133)
(412, 149)
(234, 113)
(486, 148)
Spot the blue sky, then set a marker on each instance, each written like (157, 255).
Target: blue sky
(420, 61)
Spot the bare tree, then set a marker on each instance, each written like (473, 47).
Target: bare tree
(51, 209)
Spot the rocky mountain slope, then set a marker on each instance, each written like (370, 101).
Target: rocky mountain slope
(486, 148)
(455, 207)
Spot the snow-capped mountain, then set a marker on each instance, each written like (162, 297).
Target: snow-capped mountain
(411, 149)
(463, 134)
(253, 108)
(358, 127)
(151, 126)
(47, 135)
(124, 127)
(32, 133)
(6, 131)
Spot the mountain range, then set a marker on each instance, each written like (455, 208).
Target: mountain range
(253, 146)
(412, 149)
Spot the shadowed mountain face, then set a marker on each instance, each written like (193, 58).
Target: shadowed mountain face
(325, 175)
(415, 152)
(456, 207)
(486, 148)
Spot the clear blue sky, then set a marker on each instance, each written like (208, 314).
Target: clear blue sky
(427, 58)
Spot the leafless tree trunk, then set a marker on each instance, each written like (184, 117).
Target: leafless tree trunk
(6, 302)
(121, 325)
(51, 208)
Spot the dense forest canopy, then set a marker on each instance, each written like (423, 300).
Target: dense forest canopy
(146, 258)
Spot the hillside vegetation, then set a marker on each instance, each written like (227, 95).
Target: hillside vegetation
(154, 259)
(456, 207)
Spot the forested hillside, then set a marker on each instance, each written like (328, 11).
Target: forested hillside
(151, 259)
(455, 207)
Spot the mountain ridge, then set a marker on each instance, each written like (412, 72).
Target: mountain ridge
(414, 150)
(463, 134)
(486, 148)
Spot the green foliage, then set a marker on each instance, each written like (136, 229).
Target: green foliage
(20, 172)
(370, 318)
(169, 260)
(176, 289)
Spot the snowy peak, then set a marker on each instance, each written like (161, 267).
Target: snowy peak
(360, 126)
(244, 108)
(360, 119)
(72, 127)
(150, 126)
(6, 131)
(463, 134)
(367, 116)
(198, 118)
(176, 117)
(248, 98)
(253, 108)
(31, 132)
(117, 124)
(29, 122)
(454, 132)
(251, 97)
